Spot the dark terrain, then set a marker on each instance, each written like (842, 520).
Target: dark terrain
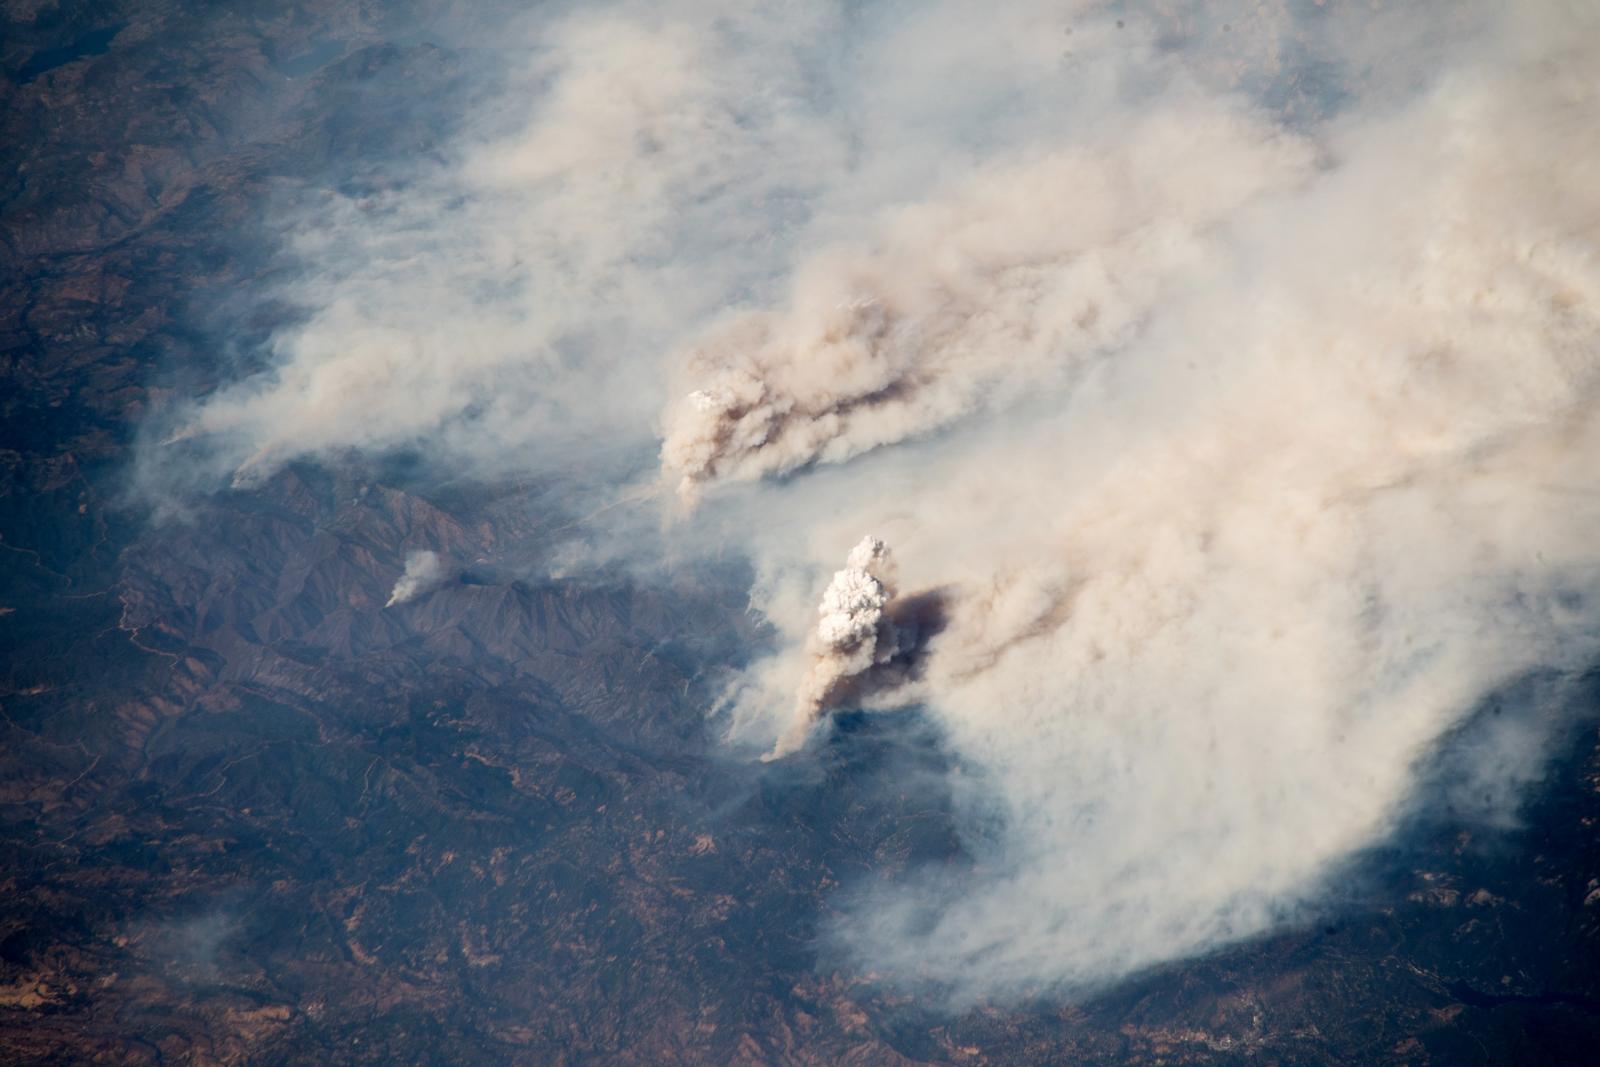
(249, 816)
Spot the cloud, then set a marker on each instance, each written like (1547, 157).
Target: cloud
(1230, 375)
(853, 634)
(1212, 605)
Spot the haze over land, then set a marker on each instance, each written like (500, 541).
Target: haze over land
(811, 533)
(1232, 376)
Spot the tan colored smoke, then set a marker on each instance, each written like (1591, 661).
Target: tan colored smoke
(1336, 491)
(1254, 350)
(853, 634)
(1013, 282)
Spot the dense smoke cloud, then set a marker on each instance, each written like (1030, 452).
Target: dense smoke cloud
(1248, 429)
(853, 635)
(1338, 490)
(1006, 284)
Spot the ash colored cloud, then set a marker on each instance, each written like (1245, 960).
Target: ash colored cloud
(1015, 280)
(853, 634)
(1237, 391)
(1213, 605)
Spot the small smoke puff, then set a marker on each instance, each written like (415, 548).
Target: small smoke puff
(851, 637)
(870, 553)
(424, 570)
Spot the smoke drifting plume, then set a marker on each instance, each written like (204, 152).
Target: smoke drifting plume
(1211, 609)
(1233, 369)
(1009, 283)
(424, 570)
(853, 635)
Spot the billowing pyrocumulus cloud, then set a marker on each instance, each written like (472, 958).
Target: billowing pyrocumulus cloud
(853, 634)
(424, 570)
(1232, 370)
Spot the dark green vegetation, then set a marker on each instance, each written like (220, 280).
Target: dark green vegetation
(249, 816)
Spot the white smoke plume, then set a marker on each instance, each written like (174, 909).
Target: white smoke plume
(424, 570)
(1233, 369)
(852, 636)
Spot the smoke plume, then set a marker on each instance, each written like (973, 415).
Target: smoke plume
(1213, 605)
(1231, 369)
(853, 635)
(424, 570)
(1052, 261)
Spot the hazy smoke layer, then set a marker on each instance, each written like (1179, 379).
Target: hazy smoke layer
(424, 570)
(1242, 361)
(509, 305)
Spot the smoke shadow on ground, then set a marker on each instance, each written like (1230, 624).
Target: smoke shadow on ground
(915, 620)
